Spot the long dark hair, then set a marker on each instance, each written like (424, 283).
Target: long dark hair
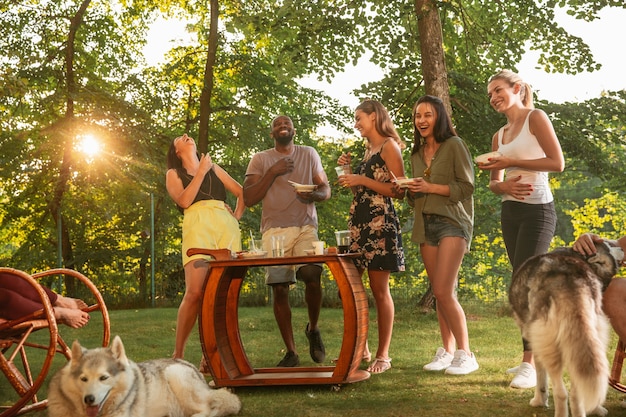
(174, 162)
(443, 128)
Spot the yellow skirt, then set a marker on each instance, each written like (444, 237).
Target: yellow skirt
(209, 224)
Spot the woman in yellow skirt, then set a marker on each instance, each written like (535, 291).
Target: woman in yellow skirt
(198, 187)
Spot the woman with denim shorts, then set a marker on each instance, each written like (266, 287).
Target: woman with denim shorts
(441, 195)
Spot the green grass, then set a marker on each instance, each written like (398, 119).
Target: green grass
(405, 390)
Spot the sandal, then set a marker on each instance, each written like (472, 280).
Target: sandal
(379, 365)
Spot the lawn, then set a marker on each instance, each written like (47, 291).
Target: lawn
(405, 390)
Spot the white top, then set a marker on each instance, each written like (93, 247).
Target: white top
(526, 146)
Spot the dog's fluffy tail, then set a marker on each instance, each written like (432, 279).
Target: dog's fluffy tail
(575, 338)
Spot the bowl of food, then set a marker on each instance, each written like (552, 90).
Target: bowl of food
(484, 158)
(404, 182)
(303, 188)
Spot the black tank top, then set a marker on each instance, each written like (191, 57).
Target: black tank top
(212, 187)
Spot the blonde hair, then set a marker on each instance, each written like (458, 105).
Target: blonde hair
(384, 125)
(526, 93)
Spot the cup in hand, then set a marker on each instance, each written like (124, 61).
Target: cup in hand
(278, 246)
(342, 170)
(318, 247)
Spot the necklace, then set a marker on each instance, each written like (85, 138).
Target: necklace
(202, 185)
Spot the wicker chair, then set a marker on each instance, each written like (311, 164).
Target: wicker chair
(36, 353)
(615, 379)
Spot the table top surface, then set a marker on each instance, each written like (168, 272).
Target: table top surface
(250, 260)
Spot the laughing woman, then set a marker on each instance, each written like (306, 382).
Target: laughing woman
(528, 149)
(441, 195)
(198, 187)
(373, 222)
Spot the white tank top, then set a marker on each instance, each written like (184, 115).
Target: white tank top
(526, 146)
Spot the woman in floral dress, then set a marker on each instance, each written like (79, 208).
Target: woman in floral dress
(373, 223)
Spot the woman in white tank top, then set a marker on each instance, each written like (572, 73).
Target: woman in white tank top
(529, 149)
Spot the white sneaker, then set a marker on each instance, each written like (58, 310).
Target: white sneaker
(526, 377)
(512, 370)
(462, 364)
(441, 361)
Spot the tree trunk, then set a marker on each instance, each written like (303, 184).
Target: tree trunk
(68, 132)
(431, 49)
(427, 302)
(207, 89)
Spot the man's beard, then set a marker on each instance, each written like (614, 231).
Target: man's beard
(284, 139)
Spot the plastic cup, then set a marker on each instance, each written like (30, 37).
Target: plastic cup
(342, 170)
(278, 246)
(256, 245)
(318, 247)
(343, 240)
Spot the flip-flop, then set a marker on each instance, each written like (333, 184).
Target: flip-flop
(379, 365)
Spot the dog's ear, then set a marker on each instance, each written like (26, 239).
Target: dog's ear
(615, 252)
(117, 349)
(77, 352)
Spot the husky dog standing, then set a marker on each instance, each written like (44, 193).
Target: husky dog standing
(557, 303)
(103, 382)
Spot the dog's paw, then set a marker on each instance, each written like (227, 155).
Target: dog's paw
(599, 411)
(538, 401)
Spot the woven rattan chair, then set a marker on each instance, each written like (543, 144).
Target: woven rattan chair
(27, 353)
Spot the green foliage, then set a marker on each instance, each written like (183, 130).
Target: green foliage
(264, 48)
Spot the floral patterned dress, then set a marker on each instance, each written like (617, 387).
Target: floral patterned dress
(374, 225)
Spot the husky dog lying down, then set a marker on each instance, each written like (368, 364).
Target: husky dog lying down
(103, 382)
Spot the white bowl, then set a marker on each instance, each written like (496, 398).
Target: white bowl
(257, 254)
(302, 188)
(484, 158)
(404, 182)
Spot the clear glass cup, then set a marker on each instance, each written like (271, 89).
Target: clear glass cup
(342, 170)
(278, 246)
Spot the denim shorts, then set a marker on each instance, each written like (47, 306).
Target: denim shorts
(437, 227)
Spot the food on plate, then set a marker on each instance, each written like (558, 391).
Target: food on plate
(404, 182)
(484, 158)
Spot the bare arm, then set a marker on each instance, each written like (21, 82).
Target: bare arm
(182, 196)
(321, 193)
(585, 243)
(255, 186)
(233, 187)
(393, 159)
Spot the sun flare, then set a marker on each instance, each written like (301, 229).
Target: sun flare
(89, 145)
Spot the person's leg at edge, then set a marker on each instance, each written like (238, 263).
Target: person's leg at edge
(385, 312)
(195, 273)
(444, 262)
(614, 304)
